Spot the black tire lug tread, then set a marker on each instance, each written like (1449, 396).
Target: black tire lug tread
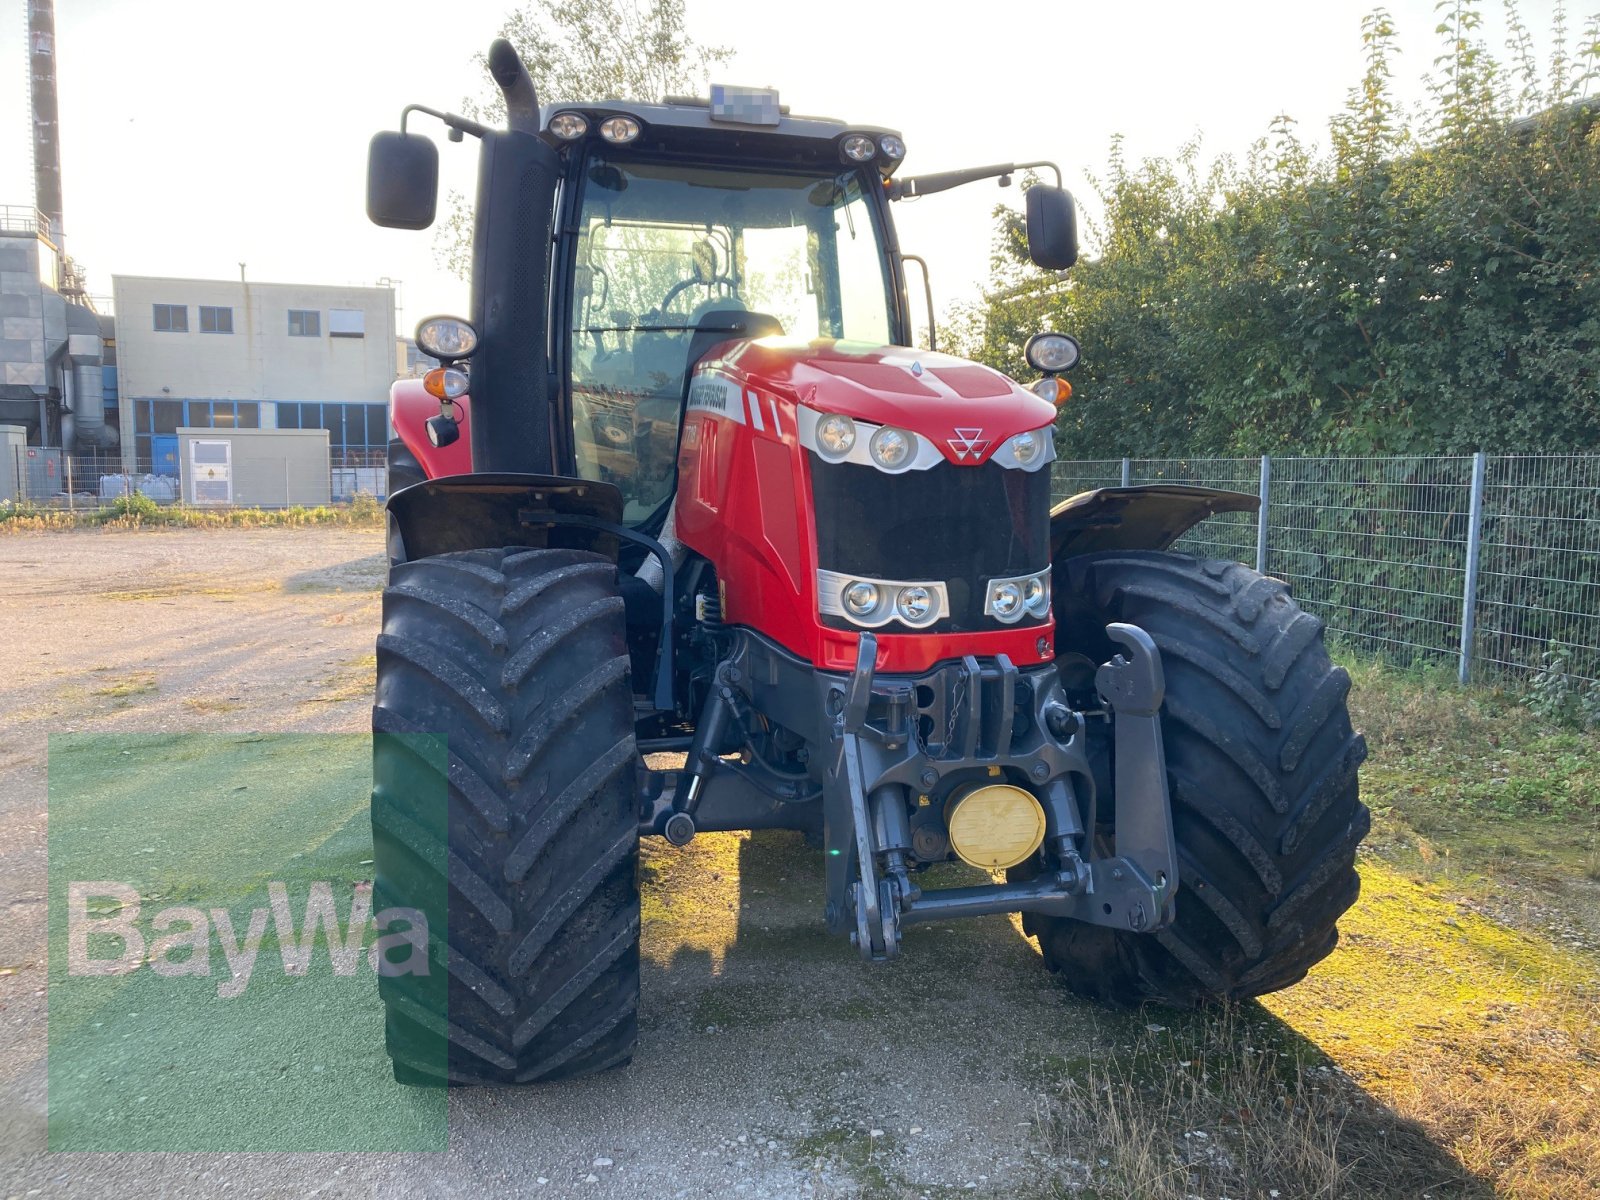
(553, 777)
(1322, 791)
(485, 626)
(557, 913)
(1172, 647)
(1262, 768)
(532, 743)
(452, 675)
(532, 590)
(529, 654)
(1233, 746)
(565, 806)
(624, 942)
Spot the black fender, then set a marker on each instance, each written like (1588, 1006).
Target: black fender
(486, 511)
(1150, 517)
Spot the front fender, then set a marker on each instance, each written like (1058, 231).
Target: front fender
(491, 511)
(1150, 517)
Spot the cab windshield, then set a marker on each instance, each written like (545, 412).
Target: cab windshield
(669, 256)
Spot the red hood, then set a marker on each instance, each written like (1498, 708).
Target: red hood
(936, 395)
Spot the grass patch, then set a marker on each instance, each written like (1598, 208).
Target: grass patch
(136, 683)
(1472, 777)
(212, 704)
(362, 513)
(353, 680)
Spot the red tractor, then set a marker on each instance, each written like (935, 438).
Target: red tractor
(712, 505)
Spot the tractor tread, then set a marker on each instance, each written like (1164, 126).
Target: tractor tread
(526, 828)
(1262, 768)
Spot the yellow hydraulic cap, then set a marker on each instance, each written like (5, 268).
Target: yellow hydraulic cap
(994, 825)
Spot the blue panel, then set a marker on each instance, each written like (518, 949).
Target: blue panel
(164, 450)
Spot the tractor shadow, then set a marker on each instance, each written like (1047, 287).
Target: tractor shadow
(967, 1020)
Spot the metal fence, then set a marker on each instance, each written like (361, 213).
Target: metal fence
(1480, 561)
(46, 476)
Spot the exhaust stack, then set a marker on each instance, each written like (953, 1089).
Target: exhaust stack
(46, 117)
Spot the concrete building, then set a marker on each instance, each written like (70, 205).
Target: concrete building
(51, 350)
(227, 354)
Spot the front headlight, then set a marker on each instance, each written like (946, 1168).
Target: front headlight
(861, 598)
(890, 447)
(914, 604)
(1009, 600)
(836, 436)
(1027, 447)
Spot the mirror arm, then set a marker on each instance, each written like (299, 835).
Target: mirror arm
(943, 181)
(458, 124)
(927, 292)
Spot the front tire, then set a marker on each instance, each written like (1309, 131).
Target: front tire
(1261, 769)
(519, 659)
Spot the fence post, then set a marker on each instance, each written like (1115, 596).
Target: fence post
(1127, 472)
(1469, 587)
(1261, 515)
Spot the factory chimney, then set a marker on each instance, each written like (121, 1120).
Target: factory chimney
(46, 122)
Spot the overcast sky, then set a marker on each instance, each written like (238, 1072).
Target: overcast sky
(199, 134)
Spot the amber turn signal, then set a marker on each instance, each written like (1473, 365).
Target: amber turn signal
(1054, 389)
(444, 383)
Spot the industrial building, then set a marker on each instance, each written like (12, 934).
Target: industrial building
(232, 354)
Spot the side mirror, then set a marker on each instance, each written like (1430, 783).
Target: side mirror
(1052, 227)
(403, 180)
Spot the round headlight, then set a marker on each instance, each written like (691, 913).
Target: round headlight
(1051, 352)
(569, 125)
(619, 129)
(446, 338)
(1027, 447)
(892, 147)
(890, 447)
(835, 436)
(858, 148)
(1036, 595)
(860, 597)
(914, 604)
(1006, 601)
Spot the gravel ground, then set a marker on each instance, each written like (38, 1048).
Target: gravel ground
(771, 1063)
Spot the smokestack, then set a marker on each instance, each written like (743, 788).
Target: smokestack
(46, 122)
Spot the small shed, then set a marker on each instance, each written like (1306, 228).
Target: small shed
(254, 468)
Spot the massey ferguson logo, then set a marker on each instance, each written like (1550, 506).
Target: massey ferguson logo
(968, 443)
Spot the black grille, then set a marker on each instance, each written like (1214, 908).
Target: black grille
(964, 525)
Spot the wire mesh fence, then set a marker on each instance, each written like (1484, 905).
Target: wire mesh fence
(43, 476)
(1490, 564)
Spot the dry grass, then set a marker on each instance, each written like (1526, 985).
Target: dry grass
(212, 704)
(363, 513)
(353, 680)
(1232, 1104)
(135, 683)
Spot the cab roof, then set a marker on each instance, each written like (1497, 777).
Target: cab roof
(688, 126)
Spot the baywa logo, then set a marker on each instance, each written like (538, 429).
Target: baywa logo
(177, 940)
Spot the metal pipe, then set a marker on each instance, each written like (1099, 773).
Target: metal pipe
(1469, 588)
(1261, 516)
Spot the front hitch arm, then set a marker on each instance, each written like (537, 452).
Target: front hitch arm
(1137, 887)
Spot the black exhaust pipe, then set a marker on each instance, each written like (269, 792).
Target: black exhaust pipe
(512, 411)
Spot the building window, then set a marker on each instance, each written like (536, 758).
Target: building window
(215, 320)
(347, 322)
(305, 322)
(171, 318)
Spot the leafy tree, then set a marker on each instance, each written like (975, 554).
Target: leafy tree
(586, 50)
(1422, 288)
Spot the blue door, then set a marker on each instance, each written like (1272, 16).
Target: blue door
(164, 450)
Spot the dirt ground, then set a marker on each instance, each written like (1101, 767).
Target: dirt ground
(772, 1062)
